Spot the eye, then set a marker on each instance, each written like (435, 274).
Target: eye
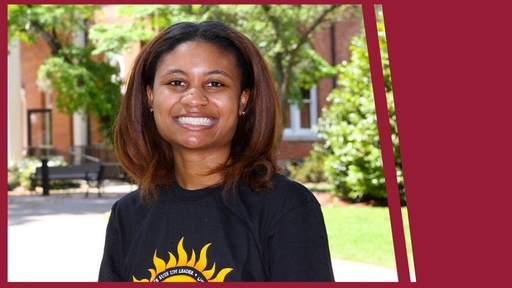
(214, 84)
(176, 83)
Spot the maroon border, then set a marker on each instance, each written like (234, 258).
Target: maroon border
(450, 63)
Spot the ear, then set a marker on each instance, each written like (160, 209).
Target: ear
(149, 92)
(244, 97)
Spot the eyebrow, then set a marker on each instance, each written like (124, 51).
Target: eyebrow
(174, 71)
(213, 72)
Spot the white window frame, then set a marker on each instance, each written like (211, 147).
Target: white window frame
(297, 133)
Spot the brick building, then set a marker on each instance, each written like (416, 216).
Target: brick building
(35, 126)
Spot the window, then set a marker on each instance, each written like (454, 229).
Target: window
(39, 132)
(298, 121)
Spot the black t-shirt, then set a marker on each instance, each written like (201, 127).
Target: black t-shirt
(190, 236)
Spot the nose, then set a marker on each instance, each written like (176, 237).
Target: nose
(194, 98)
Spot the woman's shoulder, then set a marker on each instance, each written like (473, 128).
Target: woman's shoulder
(285, 197)
(128, 202)
(290, 189)
(283, 192)
(283, 181)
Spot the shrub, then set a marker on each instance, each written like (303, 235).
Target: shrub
(353, 163)
(13, 175)
(310, 169)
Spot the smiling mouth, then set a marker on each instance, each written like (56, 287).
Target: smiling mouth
(202, 121)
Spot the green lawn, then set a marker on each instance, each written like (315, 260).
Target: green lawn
(363, 234)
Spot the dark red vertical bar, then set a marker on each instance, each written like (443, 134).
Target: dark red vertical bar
(3, 156)
(388, 158)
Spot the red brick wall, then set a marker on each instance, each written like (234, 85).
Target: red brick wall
(343, 31)
(291, 150)
(32, 57)
(62, 132)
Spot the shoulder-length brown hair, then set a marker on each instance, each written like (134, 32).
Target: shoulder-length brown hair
(148, 158)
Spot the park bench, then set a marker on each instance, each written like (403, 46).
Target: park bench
(94, 174)
(110, 171)
(89, 172)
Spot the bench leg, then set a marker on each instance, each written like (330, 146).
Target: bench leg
(99, 184)
(87, 191)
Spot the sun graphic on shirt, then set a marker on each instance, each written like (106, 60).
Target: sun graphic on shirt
(184, 268)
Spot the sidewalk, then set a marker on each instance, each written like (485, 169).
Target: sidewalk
(59, 238)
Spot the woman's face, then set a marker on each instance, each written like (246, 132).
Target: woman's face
(196, 97)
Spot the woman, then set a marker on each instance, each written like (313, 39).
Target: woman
(199, 131)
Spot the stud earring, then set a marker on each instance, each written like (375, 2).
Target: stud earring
(151, 110)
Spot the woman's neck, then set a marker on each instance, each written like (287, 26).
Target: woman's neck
(193, 170)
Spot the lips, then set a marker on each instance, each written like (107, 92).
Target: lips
(198, 121)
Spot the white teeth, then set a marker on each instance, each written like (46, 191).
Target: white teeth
(195, 121)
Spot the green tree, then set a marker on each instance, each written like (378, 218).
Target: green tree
(282, 32)
(352, 155)
(82, 81)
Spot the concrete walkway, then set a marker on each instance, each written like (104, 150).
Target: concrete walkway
(59, 238)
